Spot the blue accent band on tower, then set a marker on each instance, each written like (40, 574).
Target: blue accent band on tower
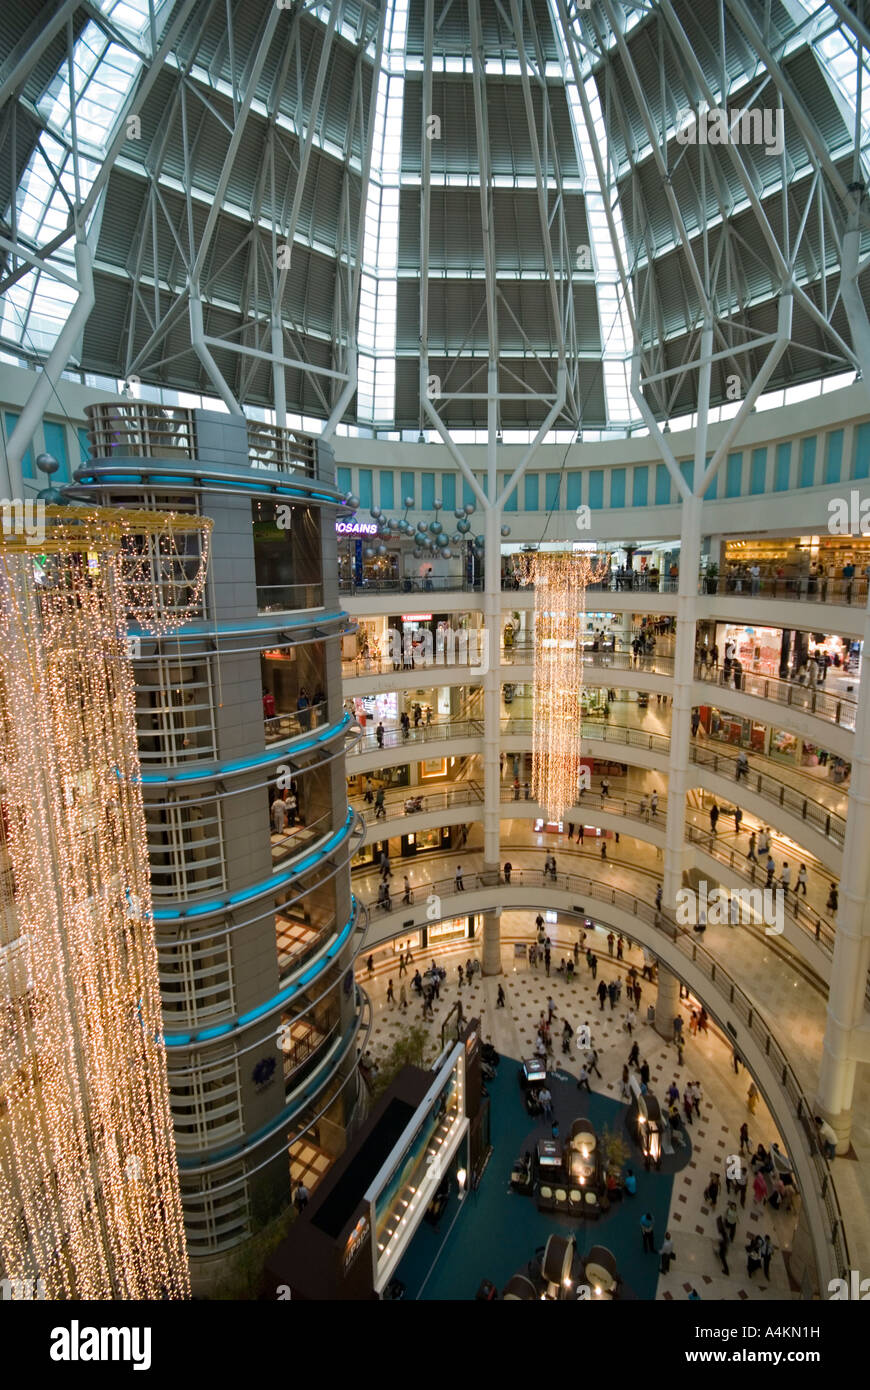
(270, 1005)
(269, 885)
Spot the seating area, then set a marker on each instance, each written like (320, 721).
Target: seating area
(559, 1273)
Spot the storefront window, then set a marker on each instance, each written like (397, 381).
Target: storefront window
(758, 649)
(784, 746)
(451, 929)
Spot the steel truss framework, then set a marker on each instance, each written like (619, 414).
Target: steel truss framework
(221, 223)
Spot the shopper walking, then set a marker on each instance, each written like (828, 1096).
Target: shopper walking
(647, 1231)
(460, 886)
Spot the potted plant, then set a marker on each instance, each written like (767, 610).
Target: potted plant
(712, 578)
(615, 1150)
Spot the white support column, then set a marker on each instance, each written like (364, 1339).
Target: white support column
(846, 1002)
(492, 625)
(667, 1002)
(677, 853)
(490, 956)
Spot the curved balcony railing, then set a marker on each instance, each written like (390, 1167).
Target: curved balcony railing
(835, 709)
(802, 589)
(599, 732)
(524, 652)
(815, 813)
(631, 807)
(288, 598)
(281, 449)
(813, 923)
(851, 593)
(467, 795)
(437, 666)
(292, 723)
(440, 584)
(437, 732)
(615, 584)
(811, 1165)
(143, 429)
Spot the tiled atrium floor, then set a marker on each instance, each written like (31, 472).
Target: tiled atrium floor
(708, 1059)
(778, 982)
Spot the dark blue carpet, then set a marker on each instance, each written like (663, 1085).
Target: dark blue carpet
(494, 1232)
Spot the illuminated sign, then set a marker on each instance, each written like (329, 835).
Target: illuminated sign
(355, 1242)
(356, 528)
(416, 617)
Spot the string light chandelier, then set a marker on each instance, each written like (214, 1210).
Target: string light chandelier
(560, 581)
(89, 1194)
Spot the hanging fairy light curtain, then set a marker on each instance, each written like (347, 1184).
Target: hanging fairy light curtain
(89, 1192)
(560, 581)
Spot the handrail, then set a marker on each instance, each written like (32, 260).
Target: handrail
(685, 941)
(410, 584)
(288, 598)
(144, 429)
(138, 429)
(434, 801)
(602, 733)
(278, 448)
(522, 652)
(437, 665)
(631, 807)
(803, 588)
(632, 583)
(813, 923)
(851, 593)
(815, 700)
(314, 717)
(815, 813)
(634, 808)
(424, 733)
(829, 823)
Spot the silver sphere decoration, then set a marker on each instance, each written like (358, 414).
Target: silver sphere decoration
(369, 552)
(393, 524)
(469, 508)
(505, 530)
(435, 527)
(478, 541)
(447, 554)
(382, 550)
(455, 538)
(437, 504)
(442, 541)
(408, 502)
(459, 513)
(463, 527)
(375, 514)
